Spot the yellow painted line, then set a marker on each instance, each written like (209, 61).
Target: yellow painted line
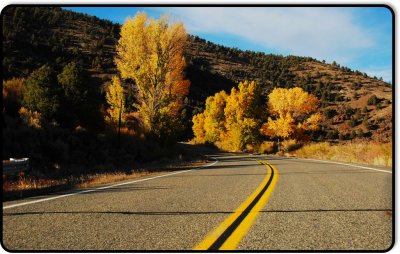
(213, 239)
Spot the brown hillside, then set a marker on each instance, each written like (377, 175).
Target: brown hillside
(36, 36)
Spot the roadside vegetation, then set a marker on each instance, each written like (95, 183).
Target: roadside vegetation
(239, 122)
(370, 153)
(76, 134)
(104, 103)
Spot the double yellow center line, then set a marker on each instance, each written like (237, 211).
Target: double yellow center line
(229, 233)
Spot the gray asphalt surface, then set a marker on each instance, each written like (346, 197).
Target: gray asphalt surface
(314, 206)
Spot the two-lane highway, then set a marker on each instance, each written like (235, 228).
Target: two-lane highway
(325, 206)
(313, 205)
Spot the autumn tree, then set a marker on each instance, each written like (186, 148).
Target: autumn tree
(214, 116)
(293, 113)
(198, 128)
(242, 116)
(150, 52)
(230, 121)
(115, 99)
(209, 125)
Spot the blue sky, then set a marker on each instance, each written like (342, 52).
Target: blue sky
(357, 37)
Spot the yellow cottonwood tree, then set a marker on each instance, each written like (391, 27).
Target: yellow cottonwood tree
(242, 113)
(284, 126)
(198, 128)
(208, 126)
(214, 116)
(115, 99)
(230, 121)
(293, 111)
(150, 52)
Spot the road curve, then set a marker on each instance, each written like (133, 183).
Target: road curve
(313, 206)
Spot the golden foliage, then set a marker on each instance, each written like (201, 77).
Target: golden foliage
(283, 127)
(294, 101)
(214, 116)
(31, 118)
(230, 121)
(293, 110)
(150, 52)
(313, 122)
(241, 116)
(13, 88)
(115, 99)
(198, 128)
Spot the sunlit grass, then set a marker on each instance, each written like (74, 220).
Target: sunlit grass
(84, 181)
(361, 152)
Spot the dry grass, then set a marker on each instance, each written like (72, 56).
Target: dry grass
(99, 179)
(362, 152)
(84, 181)
(31, 182)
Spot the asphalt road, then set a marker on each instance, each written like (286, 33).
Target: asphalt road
(313, 206)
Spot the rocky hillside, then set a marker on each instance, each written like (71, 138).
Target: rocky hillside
(354, 104)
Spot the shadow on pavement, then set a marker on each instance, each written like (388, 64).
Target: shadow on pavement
(330, 172)
(217, 166)
(124, 189)
(177, 213)
(327, 210)
(119, 212)
(218, 175)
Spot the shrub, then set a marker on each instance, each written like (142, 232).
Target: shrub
(30, 118)
(329, 113)
(290, 145)
(268, 147)
(373, 100)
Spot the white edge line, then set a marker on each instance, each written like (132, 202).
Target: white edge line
(346, 164)
(107, 187)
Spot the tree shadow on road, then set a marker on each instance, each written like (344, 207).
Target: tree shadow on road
(185, 213)
(328, 210)
(144, 213)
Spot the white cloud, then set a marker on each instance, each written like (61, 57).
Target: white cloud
(323, 33)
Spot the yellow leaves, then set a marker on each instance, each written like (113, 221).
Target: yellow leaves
(13, 88)
(198, 128)
(313, 122)
(281, 127)
(115, 100)
(230, 120)
(241, 115)
(292, 108)
(150, 52)
(294, 101)
(242, 103)
(31, 118)
(214, 116)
